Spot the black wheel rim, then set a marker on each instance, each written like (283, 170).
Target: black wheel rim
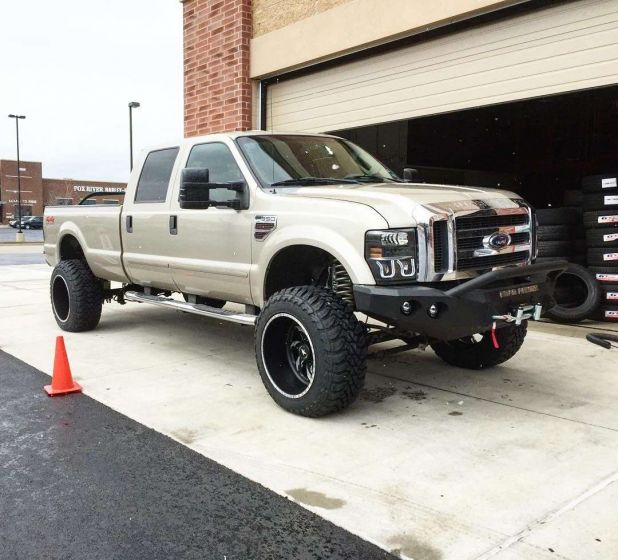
(60, 298)
(300, 354)
(288, 355)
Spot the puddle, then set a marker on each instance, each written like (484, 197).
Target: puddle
(408, 547)
(316, 499)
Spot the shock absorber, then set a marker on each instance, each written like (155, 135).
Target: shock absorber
(341, 282)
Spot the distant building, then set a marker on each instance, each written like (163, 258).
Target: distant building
(38, 192)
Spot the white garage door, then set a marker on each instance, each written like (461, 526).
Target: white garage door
(558, 49)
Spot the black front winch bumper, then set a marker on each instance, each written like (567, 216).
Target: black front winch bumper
(463, 309)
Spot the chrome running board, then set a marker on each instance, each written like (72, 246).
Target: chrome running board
(195, 308)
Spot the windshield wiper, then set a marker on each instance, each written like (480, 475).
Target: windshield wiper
(372, 178)
(313, 181)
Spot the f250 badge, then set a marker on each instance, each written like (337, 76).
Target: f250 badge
(263, 226)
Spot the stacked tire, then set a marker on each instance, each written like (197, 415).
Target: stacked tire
(556, 233)
(560, 238)
(600, 202)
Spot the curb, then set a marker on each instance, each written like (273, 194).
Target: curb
(22, 243)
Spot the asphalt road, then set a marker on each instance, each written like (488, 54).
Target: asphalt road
(78, 480)
(21, 258)
(8, 234)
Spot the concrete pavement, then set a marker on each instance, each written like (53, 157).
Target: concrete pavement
(431, 463)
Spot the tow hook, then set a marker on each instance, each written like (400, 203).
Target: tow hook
(523, 313)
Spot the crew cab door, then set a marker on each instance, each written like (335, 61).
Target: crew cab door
(144, 223)
(211, 247)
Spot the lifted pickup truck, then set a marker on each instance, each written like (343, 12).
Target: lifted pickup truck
(307, 232)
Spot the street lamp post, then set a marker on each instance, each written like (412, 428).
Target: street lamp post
(20, 234)
(132, 105)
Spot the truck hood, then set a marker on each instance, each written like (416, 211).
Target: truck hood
(397, 202)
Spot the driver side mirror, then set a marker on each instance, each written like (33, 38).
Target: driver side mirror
(196, 191)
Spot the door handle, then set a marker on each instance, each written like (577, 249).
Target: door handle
(129, 223)
(173, 225)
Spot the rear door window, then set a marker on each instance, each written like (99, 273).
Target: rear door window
(155, 177)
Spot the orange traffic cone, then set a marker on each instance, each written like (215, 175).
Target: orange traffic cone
(62, 380)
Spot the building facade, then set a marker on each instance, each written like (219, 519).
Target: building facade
(38, 192)
(516, 93)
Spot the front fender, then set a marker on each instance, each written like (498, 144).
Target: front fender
(349, 255)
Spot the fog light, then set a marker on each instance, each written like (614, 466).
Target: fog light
(406, 308)
(433, 311)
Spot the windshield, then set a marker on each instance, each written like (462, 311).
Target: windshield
(296, 160)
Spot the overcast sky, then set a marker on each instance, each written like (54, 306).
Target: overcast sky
(71, 66)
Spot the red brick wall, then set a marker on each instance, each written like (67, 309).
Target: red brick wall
(217, 86)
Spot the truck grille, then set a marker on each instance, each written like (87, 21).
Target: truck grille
(440, 246)
(472, 229)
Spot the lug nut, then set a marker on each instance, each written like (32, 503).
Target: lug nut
(406, 308)
(433, 311)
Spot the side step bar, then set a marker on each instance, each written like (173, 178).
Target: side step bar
(197, 309)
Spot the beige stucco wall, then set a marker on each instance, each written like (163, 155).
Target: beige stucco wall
(270, 15)
(350, 25)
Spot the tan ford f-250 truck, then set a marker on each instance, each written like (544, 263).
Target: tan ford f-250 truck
(307, 232)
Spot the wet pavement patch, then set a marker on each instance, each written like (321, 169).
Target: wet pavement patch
(406, 546)
(377, 394)
(415, 395)
(316, 499)
(79, 480)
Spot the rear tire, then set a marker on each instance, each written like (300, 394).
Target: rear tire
(76, 296)
(469, 353)
(311, 351)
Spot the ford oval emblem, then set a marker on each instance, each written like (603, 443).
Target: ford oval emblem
(499, 240)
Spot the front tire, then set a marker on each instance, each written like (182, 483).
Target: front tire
(311, 351)
(76, 296)
(473, 353)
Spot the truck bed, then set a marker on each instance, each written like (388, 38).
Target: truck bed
(97, 229)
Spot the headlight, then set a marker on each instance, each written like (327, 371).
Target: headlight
(391, 255)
